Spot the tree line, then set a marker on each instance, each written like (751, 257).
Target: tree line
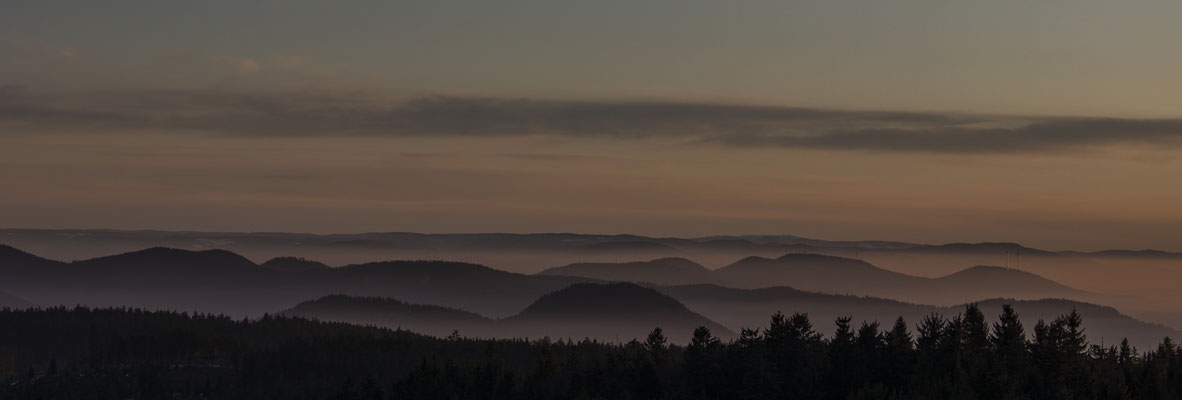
(85, 353)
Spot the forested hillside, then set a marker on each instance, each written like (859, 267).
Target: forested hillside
(120, 353)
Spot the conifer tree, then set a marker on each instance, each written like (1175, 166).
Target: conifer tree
(1010, 358)
(844, 366)
(702, 365)
(869, 345)
(898, 357)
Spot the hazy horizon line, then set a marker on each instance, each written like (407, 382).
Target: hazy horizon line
(808, 238)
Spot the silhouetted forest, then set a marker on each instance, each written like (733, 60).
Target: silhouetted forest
(83, 353)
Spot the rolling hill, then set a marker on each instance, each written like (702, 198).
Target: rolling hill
(840, 275)
(219, 281)
(15, 262)
(10, 301)
(489, 292)
(160, 263)
(982, 282)
(621, 311)
(385, 312)
(832, 274)
(293, 264)
(604, 312)
(812, 272)
(609, 312)
(224, 282)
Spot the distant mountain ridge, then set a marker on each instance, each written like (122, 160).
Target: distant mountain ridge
(663, 271)
(832, 274)
(175, 259)
(223, 282)
(793, 240)
(158, 270)
(810, 272)
(984, 247)
(1126, 254)
(1143, 281)
(89, 243)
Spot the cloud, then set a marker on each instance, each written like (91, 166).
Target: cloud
(221, 64)
(19, 48)
(239, 67)
(1039, 136)
(289, 62)
(10, 90)
(312, 114)
(247, 66)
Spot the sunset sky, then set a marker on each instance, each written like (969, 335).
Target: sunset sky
(1056, 124)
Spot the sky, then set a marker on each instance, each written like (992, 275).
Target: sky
(1056, 124)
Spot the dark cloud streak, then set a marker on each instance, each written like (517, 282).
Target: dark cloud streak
(1046, 136)
(235, 114)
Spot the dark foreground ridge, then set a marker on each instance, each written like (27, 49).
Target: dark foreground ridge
(63, 353)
